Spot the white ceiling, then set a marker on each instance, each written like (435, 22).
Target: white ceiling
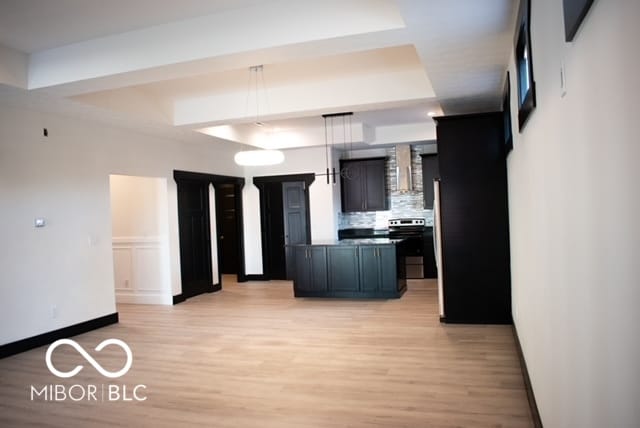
(185, 65)
(35, 25)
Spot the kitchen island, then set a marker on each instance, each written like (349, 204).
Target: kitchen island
(350, 268)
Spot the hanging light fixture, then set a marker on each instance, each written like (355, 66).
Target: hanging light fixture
(259, 157)
(328, 126)
(262, 156)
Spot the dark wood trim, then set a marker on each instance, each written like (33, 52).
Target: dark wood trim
(216, 180)
(202, 176)
(453, 117)
(535, 414)
(179, 298)
(255, 277)
(522, 44)
(50, 337)
(307, 178)
(491, 321)
(259, 182)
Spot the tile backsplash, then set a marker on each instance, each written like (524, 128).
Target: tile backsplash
(402, 204)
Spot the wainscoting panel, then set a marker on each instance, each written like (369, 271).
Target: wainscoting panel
(141, 270)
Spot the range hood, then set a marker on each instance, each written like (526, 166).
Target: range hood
(404, 176)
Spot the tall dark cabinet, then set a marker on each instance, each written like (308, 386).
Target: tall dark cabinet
(474, 219)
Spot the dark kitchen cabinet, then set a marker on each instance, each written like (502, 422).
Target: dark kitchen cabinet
(363, 185)
(358, 270)
(343, 268)
(378, 270)
(430, 171)
(311, 268)
(474, 218)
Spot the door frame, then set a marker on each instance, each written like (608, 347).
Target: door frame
(216, 181)
(260, 182)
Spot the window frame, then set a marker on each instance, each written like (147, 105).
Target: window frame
(524, 66)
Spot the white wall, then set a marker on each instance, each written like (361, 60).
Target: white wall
(321, 200)
(65, 179)
(574, 218)
(13, 67)
(140, 237)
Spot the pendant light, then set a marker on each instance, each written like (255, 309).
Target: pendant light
(263, 156)
(328, 126)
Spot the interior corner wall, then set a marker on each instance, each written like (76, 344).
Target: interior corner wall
(62, 274)
(140, 232)
(321, 200)
(574, 218)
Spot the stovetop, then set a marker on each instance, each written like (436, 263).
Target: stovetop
(406, 222)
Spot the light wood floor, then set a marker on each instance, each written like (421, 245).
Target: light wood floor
(254, 356)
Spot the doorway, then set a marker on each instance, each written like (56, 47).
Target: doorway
(195, 238)
(226, 222)
(209, 247)
(284, 219)
(140, 244)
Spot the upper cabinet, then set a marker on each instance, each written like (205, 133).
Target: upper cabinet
(363, 185)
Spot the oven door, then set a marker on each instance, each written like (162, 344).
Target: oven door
(413, 250)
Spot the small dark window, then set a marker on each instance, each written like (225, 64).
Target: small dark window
(506, 115)
(524, 66)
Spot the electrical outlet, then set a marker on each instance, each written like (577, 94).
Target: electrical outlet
(54, 311)
(126, 283)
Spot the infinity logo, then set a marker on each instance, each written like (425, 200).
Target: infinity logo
(89, 358)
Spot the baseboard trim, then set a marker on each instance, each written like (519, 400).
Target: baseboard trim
(537, 422)
(46, 338)
(254, 277)
(178, 298)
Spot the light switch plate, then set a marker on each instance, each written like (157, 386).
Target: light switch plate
(39, 222)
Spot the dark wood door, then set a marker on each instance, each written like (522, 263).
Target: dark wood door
(294, 209)
(274, 222)
(227, 228)
(195, 237)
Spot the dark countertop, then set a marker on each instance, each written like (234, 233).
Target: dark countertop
(364, 241)
(359, 233)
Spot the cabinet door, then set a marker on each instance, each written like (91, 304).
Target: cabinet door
(375, 192)
(351, 186)
(369, 268)
(343, 268)
(318, 265)
(302, 268)
(388, 268)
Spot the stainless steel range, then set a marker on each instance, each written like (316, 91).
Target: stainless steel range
(412, 231)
